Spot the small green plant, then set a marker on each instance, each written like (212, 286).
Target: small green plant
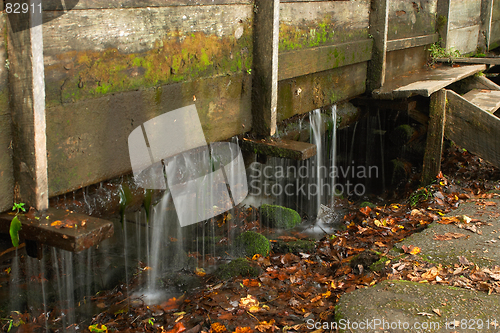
(422, 194)
(437, 52)
(249, 71)
(15, 224)
(97, 329)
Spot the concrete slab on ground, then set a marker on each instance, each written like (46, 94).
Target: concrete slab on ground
(399, 302)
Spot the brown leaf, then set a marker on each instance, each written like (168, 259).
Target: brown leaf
(463, 260)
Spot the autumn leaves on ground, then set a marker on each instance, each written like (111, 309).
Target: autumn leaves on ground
(300, 285)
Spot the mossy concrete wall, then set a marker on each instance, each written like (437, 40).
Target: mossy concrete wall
(6, 173)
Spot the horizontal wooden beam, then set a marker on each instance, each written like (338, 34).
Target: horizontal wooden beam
(61, 229)
(50, 5)
(405, 43)
(486, 61)
(318, 59)
(295, 150)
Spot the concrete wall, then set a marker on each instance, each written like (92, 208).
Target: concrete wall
(6, 173)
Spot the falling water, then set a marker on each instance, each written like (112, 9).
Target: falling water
(316, 125)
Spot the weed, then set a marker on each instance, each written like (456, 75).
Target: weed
(15, 224)
(437, 52)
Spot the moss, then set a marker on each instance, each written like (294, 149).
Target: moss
(279, 217)
(379, 265)
(296, 247)
(367, 204)
(252, 243)
(176, 58)
(236, 268)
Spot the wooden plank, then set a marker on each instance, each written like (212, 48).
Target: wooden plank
(74, 232)
(472, 128)
(379, 25)
(283, 148)
(434, 146)
(312, 24)
(488, 100)
(6, 172)
(312, 60)
(308, 92)
(443, 21)
(464, 13)
(265, 67)
(405, 43)
(51, 5)
(411, 18)
(401, 62)
(425, 82)
(83, 149)
(464, 39)
(25, 48)
(486, 19)
(487, 61)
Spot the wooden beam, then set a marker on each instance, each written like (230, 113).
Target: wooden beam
(405, 43)
(295, 150)
(379, 18)
(486, 19)
(443, 21)
(318, 59)
(472, 128)
(435, 132)
(265, 67)
(27, 84)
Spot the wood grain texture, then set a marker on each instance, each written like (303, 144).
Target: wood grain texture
(473, 128)
(307, 61)
(488, 100)
(435, 132)
(379, 25)
(465, 40)
(405, 43)
(49, 5)
(305, 93)
(87, 140)
(265, 65)
(6, 172)
(411, 18)
(26, 77)
(401, 62)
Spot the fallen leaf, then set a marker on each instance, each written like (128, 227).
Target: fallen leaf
(463, 260)
(437, 311)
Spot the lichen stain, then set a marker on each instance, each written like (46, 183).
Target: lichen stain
(179, 57)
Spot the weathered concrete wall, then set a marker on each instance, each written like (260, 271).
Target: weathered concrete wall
(324, 49)
(6, 173)
(465, 24)
(108, 70)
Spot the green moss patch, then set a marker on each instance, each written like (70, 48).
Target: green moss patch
(251, 243)
(296, 247)
(240, 266)
(279, 217)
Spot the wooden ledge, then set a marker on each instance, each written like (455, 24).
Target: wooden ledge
(295, 150)
(61, 229)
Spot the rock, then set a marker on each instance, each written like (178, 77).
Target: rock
(296, 247)
(251, 243)
(240, 266)
(279, 217)
(365, 259)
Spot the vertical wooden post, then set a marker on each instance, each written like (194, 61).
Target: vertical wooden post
(265, 67)
(27, 84)
(379, 18)
(486, 17)
(435, 132)
(443, 21)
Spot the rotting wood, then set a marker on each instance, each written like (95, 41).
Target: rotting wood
(443, 21)
(317, 59)
(434, 146)
(472, 128)
(486, 61)
(405, 43)
(61, 229)
(486, 19)
(425, 81)
(488, 100)
(379, 25)
(294, 150)
(265, 67)
(27, 84)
